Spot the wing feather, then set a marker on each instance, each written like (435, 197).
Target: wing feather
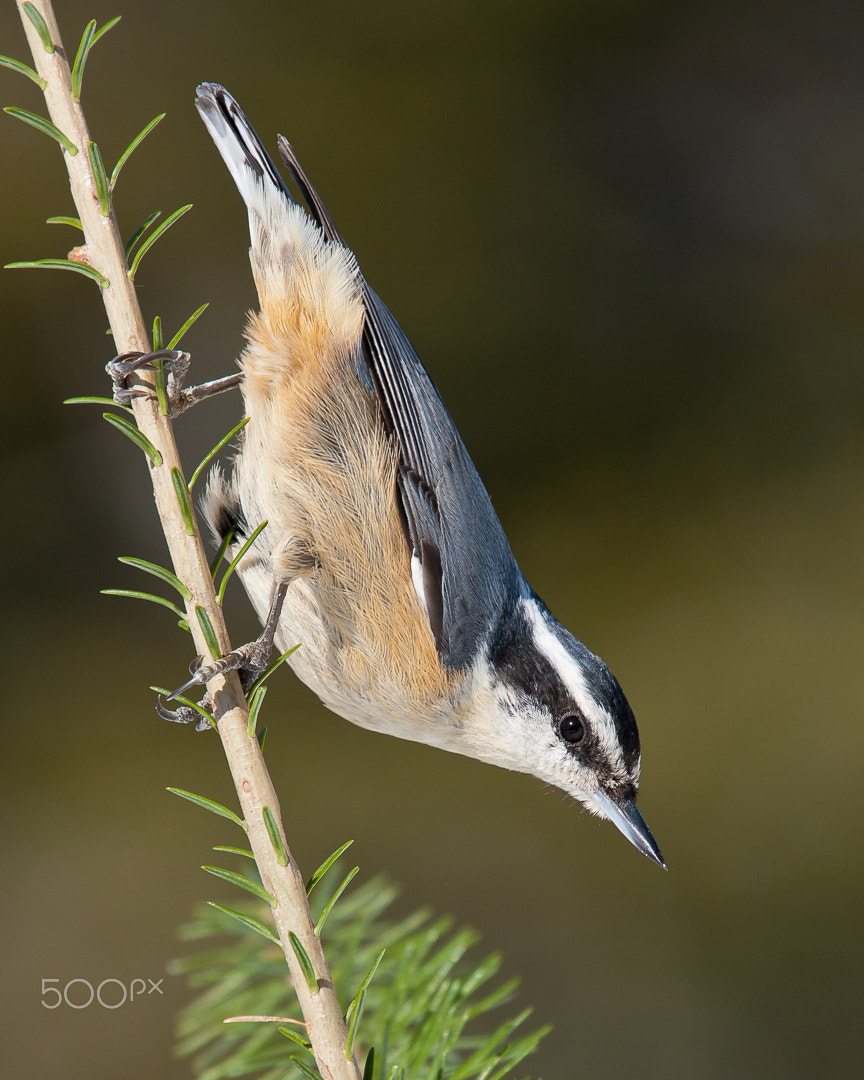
(469, 576)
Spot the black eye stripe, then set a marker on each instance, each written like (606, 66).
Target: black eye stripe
(516, 661)
(581, 743)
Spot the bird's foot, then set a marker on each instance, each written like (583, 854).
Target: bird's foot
(249, 660)
(176, 367)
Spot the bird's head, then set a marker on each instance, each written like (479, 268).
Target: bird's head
(555, 710)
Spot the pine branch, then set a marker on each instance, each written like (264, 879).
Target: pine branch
(428, 1009)
(103, 253)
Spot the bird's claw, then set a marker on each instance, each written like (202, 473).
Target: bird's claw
(249, 660)
(183, 714)
(176, 366)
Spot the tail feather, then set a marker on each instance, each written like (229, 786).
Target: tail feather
(316, 207)
(251, 167)
(309, 286)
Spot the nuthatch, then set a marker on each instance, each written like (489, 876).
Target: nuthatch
(382, 554)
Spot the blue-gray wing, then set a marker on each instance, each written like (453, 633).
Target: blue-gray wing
(468, 571)
(469, 576)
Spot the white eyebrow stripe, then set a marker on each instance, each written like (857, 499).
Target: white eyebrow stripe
(567, 668)
(573, 677)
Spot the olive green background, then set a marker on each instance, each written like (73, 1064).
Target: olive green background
(628, 241)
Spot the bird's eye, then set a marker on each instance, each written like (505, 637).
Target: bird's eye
(572, 729)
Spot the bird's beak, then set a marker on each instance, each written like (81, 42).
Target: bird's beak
(626, 817)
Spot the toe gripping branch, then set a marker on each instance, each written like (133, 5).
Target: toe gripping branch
(249, 660)
(176, 367)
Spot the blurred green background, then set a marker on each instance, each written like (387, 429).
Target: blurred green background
(628, 241)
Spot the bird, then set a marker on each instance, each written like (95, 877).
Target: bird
(382, 554)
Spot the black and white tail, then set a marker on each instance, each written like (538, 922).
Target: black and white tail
(251, 167)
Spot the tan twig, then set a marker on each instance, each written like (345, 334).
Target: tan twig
(104, 251)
